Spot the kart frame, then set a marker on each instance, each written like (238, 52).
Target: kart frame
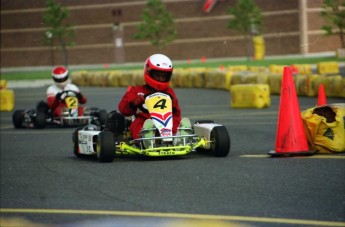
(210, 137)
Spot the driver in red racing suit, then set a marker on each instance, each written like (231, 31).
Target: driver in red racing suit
(54, 92)
(157, 73)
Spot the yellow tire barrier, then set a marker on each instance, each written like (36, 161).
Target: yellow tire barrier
(3, 84)
(236, 68)
(342, 91)
(261, 69)
(276, 69)
(275, 82)
(307, 84)
(250, 96)
(304, 69)
(6, 100)
(331, 67)
(215, 79)
(259, 47)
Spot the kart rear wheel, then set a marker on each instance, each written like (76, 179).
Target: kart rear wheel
(220, 141)
(40, 120)
(102, 116)
(75, 141)
(42, 107)
(17, 118)
(106, 146)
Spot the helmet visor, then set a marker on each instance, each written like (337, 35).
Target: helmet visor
(60, 80)
(160, 76)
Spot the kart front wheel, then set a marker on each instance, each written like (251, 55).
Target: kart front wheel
(220, 141)
(75, 141)
(17, 118)
(106, 146)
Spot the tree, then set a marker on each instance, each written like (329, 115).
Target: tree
(157, 25)
(334, 15)
(53, 18)
(245, 17)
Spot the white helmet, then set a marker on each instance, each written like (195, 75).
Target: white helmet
(158, 64)
(60, 76)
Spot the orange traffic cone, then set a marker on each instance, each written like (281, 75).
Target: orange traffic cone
(321, 100)
(291, 138)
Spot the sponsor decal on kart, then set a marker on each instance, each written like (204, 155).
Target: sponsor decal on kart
(165, 132)
(160, 109)
(72, 104)
(167, 152)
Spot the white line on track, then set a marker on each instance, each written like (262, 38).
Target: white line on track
(316, 156)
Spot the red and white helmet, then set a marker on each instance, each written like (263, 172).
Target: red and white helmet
(60, 76)
(158, 64)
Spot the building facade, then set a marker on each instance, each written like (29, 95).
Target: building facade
(104, 31)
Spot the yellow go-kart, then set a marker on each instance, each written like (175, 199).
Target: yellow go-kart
(157, 140)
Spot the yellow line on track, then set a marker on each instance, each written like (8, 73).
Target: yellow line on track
(320, 156)
(175, 215)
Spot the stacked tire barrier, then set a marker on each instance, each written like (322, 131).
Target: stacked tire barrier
(250, 95)
(306, 81)
(6, 97)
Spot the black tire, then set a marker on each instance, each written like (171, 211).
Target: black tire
(17, 118)
(40, 120)
(42, 107)
(102, 116)
(204, 121)
(106, 146)
(75, 142)
(220, 141)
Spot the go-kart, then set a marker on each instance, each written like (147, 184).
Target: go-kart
(42, 116)
(109, 142)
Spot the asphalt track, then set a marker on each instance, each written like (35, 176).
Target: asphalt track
(42, 181)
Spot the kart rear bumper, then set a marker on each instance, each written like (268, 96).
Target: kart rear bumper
(80, 120)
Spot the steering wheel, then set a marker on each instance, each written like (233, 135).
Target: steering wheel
(67, 93)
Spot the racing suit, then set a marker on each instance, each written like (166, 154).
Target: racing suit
(57, 105)
(127, 108)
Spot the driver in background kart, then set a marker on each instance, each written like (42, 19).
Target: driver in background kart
(158, 70)
(55, 92)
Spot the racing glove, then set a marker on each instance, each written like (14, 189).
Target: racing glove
(58, 95)
(79, 95)
(137, 101)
